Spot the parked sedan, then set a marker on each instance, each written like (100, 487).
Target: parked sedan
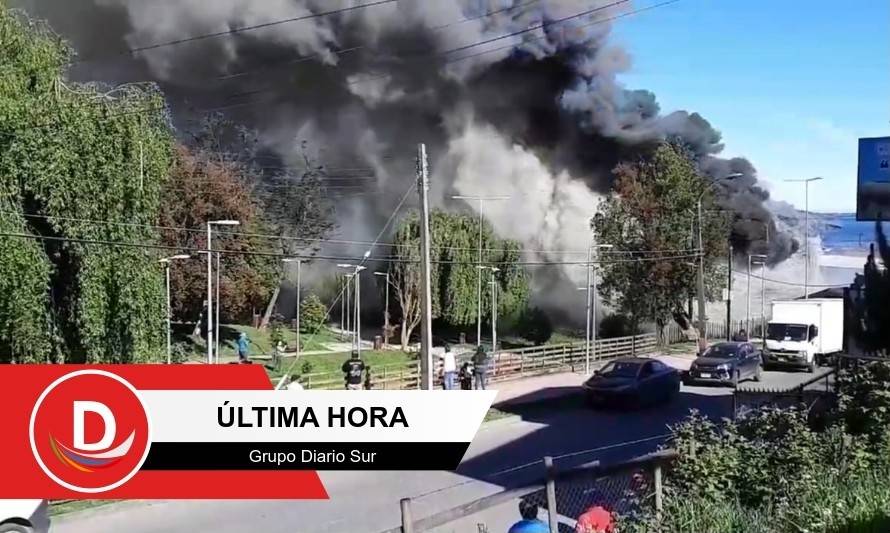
(727, 363)
(633, 381)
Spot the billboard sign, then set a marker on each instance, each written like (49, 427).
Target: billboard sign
(873, 184)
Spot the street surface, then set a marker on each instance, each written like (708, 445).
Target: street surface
(369, 502)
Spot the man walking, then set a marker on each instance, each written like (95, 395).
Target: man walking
(353, 369)
(449, 368)
(480, 367)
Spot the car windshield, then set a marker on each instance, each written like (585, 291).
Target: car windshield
(621, 369)
(722, 351)
(787, 332)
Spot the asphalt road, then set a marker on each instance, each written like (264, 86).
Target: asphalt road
(369, 502)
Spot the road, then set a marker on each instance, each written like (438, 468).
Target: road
(369, 502)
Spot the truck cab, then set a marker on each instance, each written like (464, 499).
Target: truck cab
(802, 333)
(792, 344)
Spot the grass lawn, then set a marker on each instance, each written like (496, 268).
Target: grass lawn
(331, 363)
(260, 340)
(70, 506)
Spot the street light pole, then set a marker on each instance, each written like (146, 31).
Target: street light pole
(480, 199)
(166, 262)
(590, 327)
(218, 329)
(760, 260)
(357, 341)
(494, 309)
(806, 224)
(210, 224)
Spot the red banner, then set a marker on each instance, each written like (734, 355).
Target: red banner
(80, 432)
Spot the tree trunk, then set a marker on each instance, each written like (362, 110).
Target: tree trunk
(406, 335)
(268, 316)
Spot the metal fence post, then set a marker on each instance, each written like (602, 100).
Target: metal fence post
(551, 495)
(659, 493)
(407, 520)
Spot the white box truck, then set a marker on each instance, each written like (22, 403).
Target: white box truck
(802, 333)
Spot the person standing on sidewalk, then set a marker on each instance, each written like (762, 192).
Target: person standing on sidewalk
(480, 367)
(449, 368)
(353, 369)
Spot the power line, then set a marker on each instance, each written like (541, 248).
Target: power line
(307, 257)
(789, 283)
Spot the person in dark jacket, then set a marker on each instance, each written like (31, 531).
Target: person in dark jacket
(466, 376)
(353, 370)
(480, 367)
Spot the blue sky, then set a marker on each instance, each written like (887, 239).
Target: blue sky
(791, 84)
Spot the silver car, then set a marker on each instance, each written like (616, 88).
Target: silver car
(24, 516)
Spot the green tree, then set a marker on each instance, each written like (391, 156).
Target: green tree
(71, 155)
(313, 314)
(651, 269)
(204, 187)
(454, 277)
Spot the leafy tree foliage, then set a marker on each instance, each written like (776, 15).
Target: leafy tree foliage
(454, 277)
(654, 208)
(313, 314)
(203, 187)
(70, 154)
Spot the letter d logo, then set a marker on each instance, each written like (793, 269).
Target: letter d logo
(80, 410)
(89, 431)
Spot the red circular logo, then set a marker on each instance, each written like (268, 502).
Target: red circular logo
(90, 431)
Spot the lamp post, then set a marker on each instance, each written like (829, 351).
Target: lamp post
(166, 262)
(299, 263)
(762, 263)
(760, 258)
(494, 306)
(590, 327)
(210, 224)
(806, 224)
(385, 308)
(702, 318)
(480, 199)
(357, 340)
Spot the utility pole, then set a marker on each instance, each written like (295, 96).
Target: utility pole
(702, 320)
(751, 258)
(806, 225)
(587, 336)
(299, 263)
(218, 330)
(426, 331)
(210, 224)
(385, 307)
(480, 199)
(729, 295)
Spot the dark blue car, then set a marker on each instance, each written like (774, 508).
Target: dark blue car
(633, 382)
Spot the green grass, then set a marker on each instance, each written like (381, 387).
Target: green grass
(331, 363)
(496, 414)
(57, 508)
(260, 340)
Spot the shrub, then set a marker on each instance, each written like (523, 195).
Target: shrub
(313, 314)
(306, 367)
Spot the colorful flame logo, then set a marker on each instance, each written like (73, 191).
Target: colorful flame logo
(90, 462)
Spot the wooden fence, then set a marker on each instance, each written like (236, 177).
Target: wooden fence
(672, 333)
(504, 365)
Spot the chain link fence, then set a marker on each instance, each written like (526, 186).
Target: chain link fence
(589, 495)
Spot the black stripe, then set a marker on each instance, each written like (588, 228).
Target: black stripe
(318, 456)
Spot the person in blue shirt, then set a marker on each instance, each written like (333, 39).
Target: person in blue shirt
(243, 347)
(529, 522)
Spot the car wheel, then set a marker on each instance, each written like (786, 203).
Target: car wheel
(758, 373)
(811, 367)
(15, 528)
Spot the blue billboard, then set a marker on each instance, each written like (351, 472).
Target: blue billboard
(873, 190)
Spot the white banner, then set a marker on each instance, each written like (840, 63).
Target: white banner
(316, 416)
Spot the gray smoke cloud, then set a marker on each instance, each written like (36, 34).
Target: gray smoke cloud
(540, 115)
